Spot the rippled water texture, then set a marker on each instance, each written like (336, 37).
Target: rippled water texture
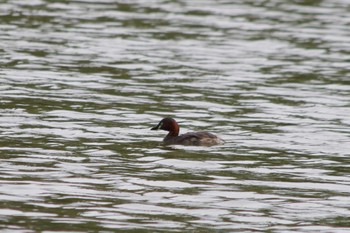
(82, 83)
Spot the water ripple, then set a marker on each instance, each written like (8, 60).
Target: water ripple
(83, 82)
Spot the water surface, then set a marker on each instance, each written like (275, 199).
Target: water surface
(82, 82)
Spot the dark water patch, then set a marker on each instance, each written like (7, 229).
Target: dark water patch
(83, 82)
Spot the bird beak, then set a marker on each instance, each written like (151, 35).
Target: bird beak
(158, 126)
(155, 128)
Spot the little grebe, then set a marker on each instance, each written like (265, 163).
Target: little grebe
(188, 139)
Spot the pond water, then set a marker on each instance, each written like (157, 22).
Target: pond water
(82, 83)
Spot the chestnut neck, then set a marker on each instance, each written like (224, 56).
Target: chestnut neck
(173, 129)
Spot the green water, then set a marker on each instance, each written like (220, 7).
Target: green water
(83, 82)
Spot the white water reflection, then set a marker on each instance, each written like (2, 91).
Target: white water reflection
(82, 84)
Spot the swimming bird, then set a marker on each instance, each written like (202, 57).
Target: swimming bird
(188, 139)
